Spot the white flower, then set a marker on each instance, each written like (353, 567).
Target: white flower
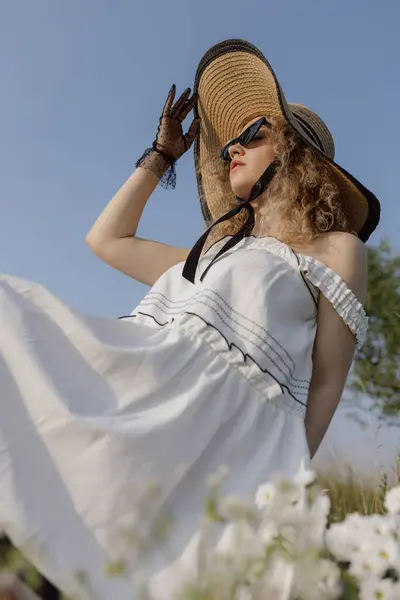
(296, 529)
(373, 588)
(318, 517)
(217, 581)
(289, 533)
(304, 477)
(392, 500)
(377, 555)
(243, 593)
(378, 525)
(355, 523)
(241, 546)
(267, 532)
(265, 495)
(232, 508)
(278, 580)
(216, 478)
(295, 533)
(283, 492)
(339, 541)
(317, 580)
(327, 580)
(346, 539)
(393, 524)
(290, 494)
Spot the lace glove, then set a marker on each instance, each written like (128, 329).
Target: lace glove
(170, 142)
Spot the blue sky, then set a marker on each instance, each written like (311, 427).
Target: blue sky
(83, 83)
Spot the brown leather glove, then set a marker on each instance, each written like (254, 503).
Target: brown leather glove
(171, 142)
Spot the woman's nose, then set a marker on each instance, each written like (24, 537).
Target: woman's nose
(236, 150)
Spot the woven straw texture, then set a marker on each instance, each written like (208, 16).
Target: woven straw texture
(235, 86)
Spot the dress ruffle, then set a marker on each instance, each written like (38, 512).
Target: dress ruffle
(339, 295)
(325, 280)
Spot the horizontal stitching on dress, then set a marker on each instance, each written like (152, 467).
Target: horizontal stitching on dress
(267, 333)
(288, 379)
(230, 346)
(290, 369)
(196, 299)
(246, 356)
(297, 406)
(254, 323)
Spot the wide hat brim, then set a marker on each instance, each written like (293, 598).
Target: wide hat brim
(235, 84)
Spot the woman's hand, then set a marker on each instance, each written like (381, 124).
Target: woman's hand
(171, 142)
(170, 137)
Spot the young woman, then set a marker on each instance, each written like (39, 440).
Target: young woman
(237, 356)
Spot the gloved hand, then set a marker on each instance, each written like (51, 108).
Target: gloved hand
(171, 142)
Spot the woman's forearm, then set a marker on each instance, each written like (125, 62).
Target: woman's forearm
(121, 216)
(321, 406)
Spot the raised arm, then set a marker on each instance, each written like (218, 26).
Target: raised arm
(113, 236)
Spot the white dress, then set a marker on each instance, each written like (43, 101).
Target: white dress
(92, 410)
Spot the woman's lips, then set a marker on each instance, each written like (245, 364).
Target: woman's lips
(235, 164)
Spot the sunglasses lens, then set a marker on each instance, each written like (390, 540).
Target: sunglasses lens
(248, 135)
(225, 151)
(244, 138)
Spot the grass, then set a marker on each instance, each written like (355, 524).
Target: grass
(348, 494)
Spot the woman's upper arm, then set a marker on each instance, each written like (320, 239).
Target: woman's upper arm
(143, 260)
(346, 254)
(335, 343)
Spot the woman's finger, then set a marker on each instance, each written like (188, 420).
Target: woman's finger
(175, 110)
(169, 101)
(189, 104)
(192, 133)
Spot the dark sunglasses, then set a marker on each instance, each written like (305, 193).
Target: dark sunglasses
(245, 138)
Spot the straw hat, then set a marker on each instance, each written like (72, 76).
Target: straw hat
(236, 84)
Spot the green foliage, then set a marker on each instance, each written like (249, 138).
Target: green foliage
(350, 591)
(377, 366)
(12, 560)
(116, 568)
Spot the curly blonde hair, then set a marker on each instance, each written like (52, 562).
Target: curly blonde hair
(303, 195)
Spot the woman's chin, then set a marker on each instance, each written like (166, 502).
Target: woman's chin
(241, 189)
(240, 185)
(242, 192)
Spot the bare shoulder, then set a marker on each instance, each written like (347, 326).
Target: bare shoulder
(340, 245)
(345, 254)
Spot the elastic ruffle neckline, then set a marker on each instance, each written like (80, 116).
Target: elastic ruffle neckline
(323, 278)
